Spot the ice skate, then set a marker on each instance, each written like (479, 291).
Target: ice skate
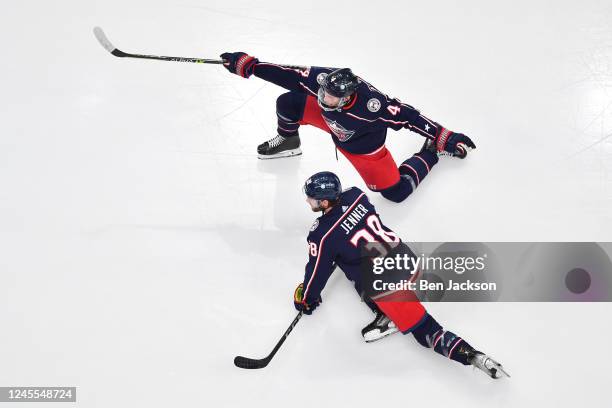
(380, 327)
(485, 363)
(278, 147)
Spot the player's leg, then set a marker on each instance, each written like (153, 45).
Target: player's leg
(381, 174)
(313, 116)
(403, 308)
(289, 111)
(377, 169)
(389, 319)
(429, 333)
(380, 327)
(292, 110)
(412, 172)
(410, 316)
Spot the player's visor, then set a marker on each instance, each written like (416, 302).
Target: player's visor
(321, 101)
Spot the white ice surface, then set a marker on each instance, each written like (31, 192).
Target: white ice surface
(143, 245)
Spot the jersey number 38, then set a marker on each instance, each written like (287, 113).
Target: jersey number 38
(374, 234)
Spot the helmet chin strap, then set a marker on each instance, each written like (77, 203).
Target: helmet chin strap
(343, 102)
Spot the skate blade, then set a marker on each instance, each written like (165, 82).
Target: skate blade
(287, 153)
(504, 372)
(496, 372)
(381, 337)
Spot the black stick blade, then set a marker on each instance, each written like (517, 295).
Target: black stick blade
(249, 363)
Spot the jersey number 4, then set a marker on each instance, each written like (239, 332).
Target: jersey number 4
(393, 109)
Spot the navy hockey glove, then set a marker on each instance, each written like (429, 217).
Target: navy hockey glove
(451, 142)
(239, 63)
(300, 304)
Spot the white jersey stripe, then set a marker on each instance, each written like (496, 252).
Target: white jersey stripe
(277, 66)
(375, 151)
(427, 119)
(378, 118)
(308, 89)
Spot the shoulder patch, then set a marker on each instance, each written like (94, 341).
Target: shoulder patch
(314, 225)
(374, 105)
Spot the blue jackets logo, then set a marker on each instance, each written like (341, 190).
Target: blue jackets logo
(340, 131)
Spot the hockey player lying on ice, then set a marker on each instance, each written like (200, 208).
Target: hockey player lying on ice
(329, 246)
(357, 116)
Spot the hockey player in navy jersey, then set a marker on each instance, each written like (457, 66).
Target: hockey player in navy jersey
(337, 238)
(357, 117)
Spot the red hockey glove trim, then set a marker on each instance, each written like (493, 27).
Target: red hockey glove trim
(442, 139)
(242, 64)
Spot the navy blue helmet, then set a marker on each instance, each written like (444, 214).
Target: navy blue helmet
(324, 185)
(340, 83)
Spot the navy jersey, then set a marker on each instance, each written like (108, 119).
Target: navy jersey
(361, 126)
(336, 239)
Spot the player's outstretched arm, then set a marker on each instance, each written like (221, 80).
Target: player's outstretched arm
(399, 115)
(292, 78)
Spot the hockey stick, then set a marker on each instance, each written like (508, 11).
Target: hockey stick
(253, 363)
(103, 40)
